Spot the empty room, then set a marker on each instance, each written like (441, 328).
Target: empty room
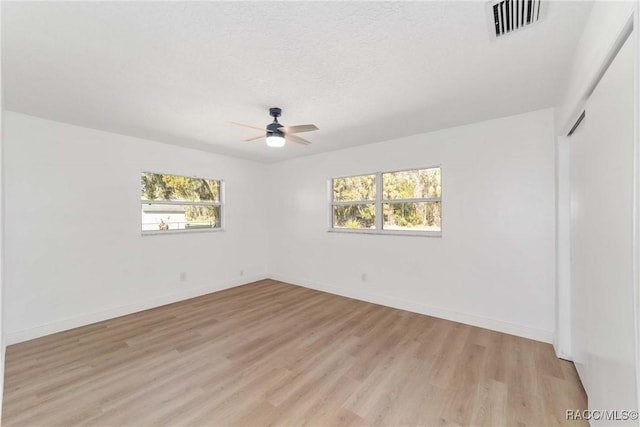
(319, 213)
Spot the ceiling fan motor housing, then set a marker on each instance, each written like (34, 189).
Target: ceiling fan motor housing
(275, 133)
(275, 112)
(273, 129)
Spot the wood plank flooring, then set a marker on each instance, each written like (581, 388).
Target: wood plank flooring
(270, 353)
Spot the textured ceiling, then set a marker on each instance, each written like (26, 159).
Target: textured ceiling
(362, 72)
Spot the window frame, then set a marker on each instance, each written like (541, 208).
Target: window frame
(379, 202)
(220, 203)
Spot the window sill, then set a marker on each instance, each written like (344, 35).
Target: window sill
(174, 232)
(387, 232)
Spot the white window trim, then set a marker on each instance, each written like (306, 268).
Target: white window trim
(221, 204)
(169, 232)
(378, 202)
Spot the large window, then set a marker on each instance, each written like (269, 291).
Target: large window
(179, 203)
(400, 202)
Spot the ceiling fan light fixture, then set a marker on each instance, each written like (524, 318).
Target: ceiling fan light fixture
(276, 133)
(275, 140)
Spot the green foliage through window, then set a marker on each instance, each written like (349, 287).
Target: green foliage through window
(354, 188)
(155, 186)
(417, 183)
(354, 216)
(174, 202)
(412, 216)
(410, 201)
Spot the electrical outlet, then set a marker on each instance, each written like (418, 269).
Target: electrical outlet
(183, 276)
(364, 277)
(241, 272)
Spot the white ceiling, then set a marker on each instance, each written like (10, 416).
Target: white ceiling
(362, 72)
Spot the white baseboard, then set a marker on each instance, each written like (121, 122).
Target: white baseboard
(560, 353)
(416, 307)
(2, 359)
(15, 337)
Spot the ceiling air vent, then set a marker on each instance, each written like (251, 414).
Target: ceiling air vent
(511, 15)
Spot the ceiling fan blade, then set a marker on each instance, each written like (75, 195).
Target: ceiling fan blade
(254, 138)
(298, 129)
(246, 126)
(297, 139)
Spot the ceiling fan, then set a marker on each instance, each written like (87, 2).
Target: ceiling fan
(276, 133)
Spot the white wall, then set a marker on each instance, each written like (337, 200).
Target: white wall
(602, 241)
(602, 32)
(603, 35)
(562, 338)
(74, 251)
(2, 313)
(493, 266)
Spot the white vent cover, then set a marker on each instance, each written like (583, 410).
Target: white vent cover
(507, 16)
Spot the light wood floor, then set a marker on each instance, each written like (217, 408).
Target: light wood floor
(270, 353)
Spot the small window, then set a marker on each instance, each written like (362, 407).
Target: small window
(174, 203)
(399, 202)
